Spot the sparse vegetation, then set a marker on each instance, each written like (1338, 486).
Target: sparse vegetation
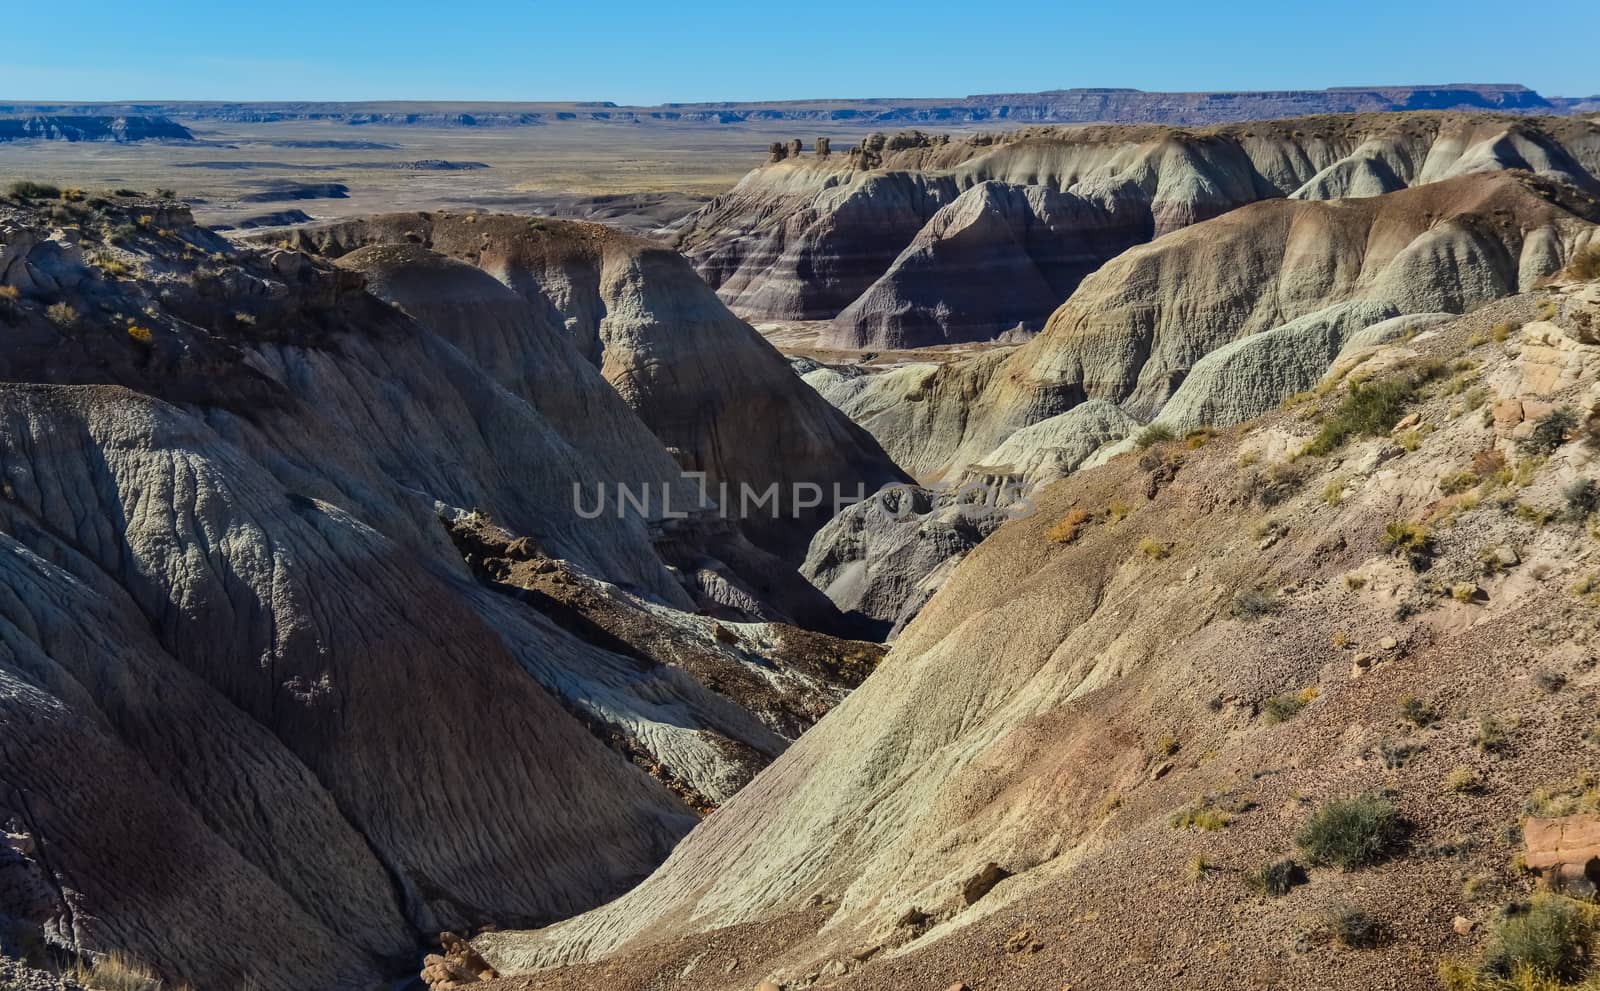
(117, 972)
(1155, 433)
(62, 315)
(1491, 736)
(1463, 780)
(1355, 928)
(1282, 708)
(140, 335)
(1582, 497)
(1154, 549)
(1457, 482)
(1254, 603)
(1353, 832)
(1277, 878)
(1408, 539)
(1117, 511)
(1542, 945)
(1549, 432)
(1067, 530)
(1418, 712)
(25, 189)
(1369, 410)
(1210, 814)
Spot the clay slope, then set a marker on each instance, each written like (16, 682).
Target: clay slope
(1283, 284)
(880, 242)
(1227, 639)
(720, 398)
(274, 715)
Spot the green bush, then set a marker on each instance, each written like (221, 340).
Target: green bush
(1550, 938)
(1353, 832)
(1368, 410)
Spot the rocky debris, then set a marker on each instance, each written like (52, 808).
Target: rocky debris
(983, 882)
(1565, 853)
(459, 965)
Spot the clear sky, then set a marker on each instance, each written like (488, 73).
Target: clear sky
(652, 51)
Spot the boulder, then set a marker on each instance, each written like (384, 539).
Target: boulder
(1565, 853)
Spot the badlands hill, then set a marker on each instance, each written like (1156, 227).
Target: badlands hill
(306, 650)
(881, 241)
(1113, 741)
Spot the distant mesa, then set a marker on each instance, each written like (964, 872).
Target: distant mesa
(280, 218)
(120, 129)
(1065, 106)
(290, 191)
(438, 165)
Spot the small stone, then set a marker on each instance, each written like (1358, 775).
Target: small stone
(1463, 925)
(958, 986)
(769, 985)
(1407, 422)
(1506, 556)
(1388, 643)
(1160, 770)
(1362, 660)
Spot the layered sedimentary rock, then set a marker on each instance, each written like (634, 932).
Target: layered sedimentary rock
(1008, 801)
(121, 128)
(704, 383)
(306, 649)
(882, 248)
(1282, 283)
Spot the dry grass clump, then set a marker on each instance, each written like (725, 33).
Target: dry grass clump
(1463, 780)
(1067, 530)
(1276, 879)
(1156, 433)
(1210, 814)
(1549, 432)
(1408, 539)
(1370, 409)
(1418, 712)
(115, 971)
(1154, 549)
(62, 315)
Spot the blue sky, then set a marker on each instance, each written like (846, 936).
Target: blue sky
(651, 51)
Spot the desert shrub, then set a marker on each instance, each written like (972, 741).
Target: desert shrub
(1491, 736)
(1154, 549)
(1580, 795)
(1418, 712)
(1368, 410)
(1550, 682)
(1353, 832)
(1355, 928)
(1404, 538)
(1549, 432)
(1253, 603)
(1536, 946)
(25, 189)
(1066, 531)
(1210, 813)
(1198, 437)
(1333, 491)
(1155, 433)
(1277, 878)
(62, 315)
(1282, 708)
(1117, 511)
(116, 972)
(1463, 780)
(1582, 497)
(140, 335)
(1457, 482)
(10, 294)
